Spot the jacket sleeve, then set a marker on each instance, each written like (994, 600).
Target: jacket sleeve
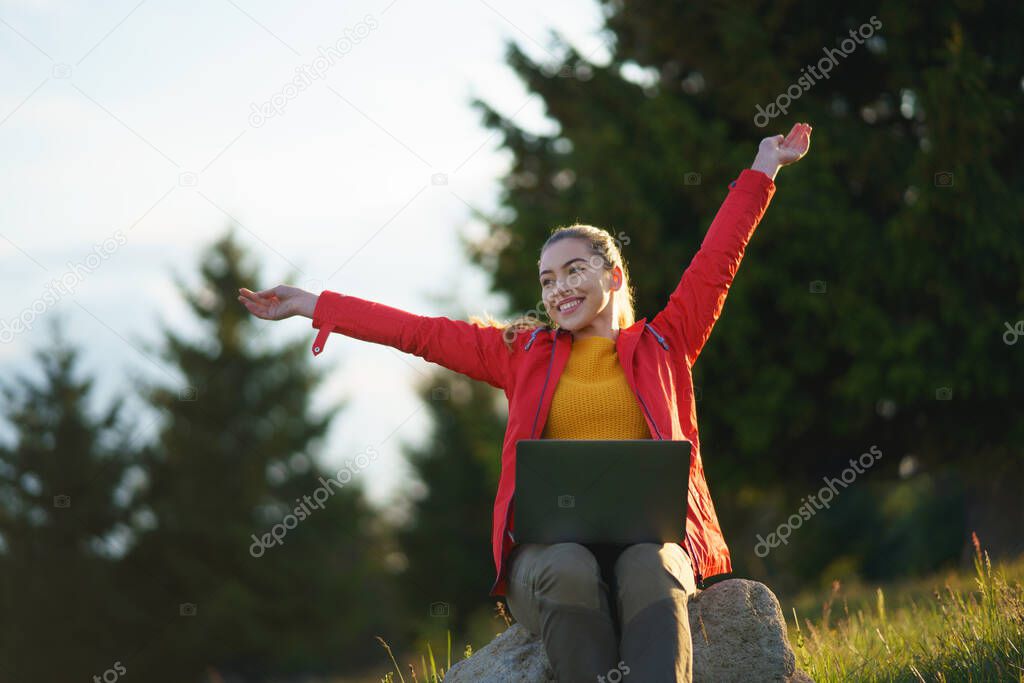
(694, 306)
(472, 350)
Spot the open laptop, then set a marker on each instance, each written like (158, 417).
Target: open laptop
(597, 491)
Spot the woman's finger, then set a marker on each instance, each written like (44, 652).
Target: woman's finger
(269, 293)
(794, 134)
(250, 295)
(252, 305)
(799, 141)
(804, 141)
(249, 306)
(264, 304)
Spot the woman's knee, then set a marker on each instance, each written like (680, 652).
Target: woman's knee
(568, 573)
(663, 563)
(649, 573)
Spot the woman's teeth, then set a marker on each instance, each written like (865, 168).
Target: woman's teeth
(571, 306)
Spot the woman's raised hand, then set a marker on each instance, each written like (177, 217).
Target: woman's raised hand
(791, 148)
(278, 303)
(777, 151)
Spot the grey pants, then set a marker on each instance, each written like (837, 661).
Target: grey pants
(560, 592)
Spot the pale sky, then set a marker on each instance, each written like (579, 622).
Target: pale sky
(128, 144)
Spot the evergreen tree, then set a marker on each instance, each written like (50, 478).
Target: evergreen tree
(447, 540)
(233, 462)
(65, 508)
(872, 301)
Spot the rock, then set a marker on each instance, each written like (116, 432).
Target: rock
(739, 635)
(514, 656)
(736, 625)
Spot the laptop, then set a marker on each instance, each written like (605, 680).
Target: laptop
(598, 491)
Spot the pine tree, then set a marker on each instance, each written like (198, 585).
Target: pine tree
(234, 461)
(65, 507)
(447, 539)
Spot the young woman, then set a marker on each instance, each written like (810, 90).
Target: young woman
(592, 373)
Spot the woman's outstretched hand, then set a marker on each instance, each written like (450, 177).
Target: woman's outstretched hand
(777, 151)
(279, 302)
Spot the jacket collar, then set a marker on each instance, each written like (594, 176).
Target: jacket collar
(627, 340)
(625, 344)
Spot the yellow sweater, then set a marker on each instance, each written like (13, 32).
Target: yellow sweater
(593, 399)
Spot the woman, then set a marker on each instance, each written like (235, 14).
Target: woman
(593, 373)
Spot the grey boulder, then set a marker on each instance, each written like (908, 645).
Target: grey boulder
(736, 625)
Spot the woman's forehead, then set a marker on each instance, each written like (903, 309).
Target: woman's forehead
(561, 251)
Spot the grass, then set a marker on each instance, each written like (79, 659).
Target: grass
(433, 674)
(969, 628)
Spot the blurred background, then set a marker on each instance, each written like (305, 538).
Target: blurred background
(158, 157)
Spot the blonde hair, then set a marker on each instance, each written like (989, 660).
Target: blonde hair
(601, 244)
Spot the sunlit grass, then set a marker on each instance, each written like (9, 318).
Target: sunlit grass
(959, 632)
(433, 674)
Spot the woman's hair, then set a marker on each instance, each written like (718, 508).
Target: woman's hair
(605, 248)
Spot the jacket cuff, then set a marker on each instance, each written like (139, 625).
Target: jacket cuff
(756, 183)
(326, 303)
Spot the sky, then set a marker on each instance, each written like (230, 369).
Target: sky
(132, 134)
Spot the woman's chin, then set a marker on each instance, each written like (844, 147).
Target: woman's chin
(569, 325)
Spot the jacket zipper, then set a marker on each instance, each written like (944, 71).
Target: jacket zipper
(533, 429)
(536, 415)
(551, 362)
(649, 417)
(698, 579)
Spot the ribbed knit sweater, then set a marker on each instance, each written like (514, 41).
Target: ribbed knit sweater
(593, 400)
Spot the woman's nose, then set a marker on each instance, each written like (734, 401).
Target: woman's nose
(563, 288)
(560, 293)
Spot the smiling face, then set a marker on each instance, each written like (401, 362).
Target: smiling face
(577, 291)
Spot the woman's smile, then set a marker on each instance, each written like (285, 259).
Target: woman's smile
(569, 307)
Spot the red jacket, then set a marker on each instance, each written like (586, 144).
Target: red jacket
(656, 356)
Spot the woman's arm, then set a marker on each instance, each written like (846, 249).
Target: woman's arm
(695, 305)
(477, 352)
